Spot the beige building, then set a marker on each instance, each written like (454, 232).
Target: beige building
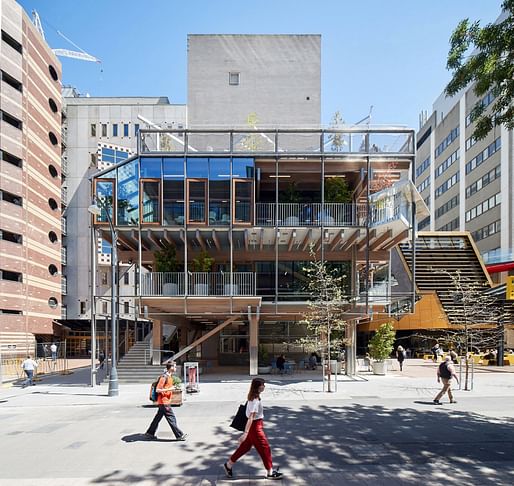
(30, 182)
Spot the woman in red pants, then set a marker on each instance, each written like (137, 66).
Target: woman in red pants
(254, 433)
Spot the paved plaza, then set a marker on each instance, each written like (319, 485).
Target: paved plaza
(373, 431)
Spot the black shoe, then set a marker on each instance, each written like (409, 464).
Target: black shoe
(275, 475)
(149, 436)
(453, 401)
(182, 437)
(437, 402)
(228, 471)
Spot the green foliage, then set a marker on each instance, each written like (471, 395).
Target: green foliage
(336, 139)
(176, 381)
(263, 356)
(166, 259)
(337, 190)
(203, 263)
(290, 195)
(491, 68)
(381, 344)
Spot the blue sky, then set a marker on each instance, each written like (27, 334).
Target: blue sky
(387, 53)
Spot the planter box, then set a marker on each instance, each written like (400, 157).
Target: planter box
(379, 367)
(170, 289)
(176, 398)
(264, 370)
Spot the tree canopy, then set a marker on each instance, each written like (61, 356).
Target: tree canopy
(485, 56)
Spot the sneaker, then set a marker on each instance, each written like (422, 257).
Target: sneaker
(228, 471)
(182, 437)
(453, 401)
(437, 402)
(275, 475)
(149, 436)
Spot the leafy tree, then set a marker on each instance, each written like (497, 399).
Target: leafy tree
(166, 259)
(381, 344)
(203, 263)
(325, 315)
(336, 139)
(491, 68)
(337, 190)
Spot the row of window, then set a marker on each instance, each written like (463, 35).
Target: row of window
(452, 203)
(484, 181)
(12, 120)
(424, 223)
(115, 132)
(11, 41)
(486, 231)
(424, 184)
(486, 101)
(423, 167)
(11, 81)
(11, 159)
(447, 163)
(483, 156)
(451, 226)
(447, 141)
(470, 142)
(484, 206)
(446, 185)
(12, 237)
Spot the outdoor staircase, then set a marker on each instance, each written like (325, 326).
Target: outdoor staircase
(438, 254)
(133, 368)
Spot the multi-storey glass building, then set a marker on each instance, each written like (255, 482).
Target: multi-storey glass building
(244, 212)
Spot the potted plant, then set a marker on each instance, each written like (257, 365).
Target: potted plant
(176, 396)
(264, 367)
(337, 190)
(166, 262)
(381, 347)
(202, 264)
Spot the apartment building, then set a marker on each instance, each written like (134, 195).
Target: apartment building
(100, 132)
(30, 184)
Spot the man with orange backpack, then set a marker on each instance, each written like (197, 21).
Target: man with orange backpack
(164, 391)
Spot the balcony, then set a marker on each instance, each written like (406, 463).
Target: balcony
(198, 284)
(310, 214)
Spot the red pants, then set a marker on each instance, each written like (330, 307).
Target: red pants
(257, 438)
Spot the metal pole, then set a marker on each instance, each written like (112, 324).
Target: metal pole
(93, 306)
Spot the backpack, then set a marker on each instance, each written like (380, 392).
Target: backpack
(444, 372)
(153, 390)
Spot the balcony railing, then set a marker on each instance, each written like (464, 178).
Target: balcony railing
(203, 284)
(310, 214)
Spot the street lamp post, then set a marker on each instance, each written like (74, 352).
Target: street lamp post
(113, 376)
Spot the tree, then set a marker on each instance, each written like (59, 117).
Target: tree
(477, 319)
(325, 315)
(166, 259)
(336, 139)
(491, 68)
(381, 344)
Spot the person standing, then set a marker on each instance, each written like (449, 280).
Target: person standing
(253, 434)
(435, 352)
(445, 373)
(29, 365)
(400, 356)
(53, 349)
(164, 392)
(281, 361)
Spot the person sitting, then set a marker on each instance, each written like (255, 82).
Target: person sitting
(281, 361)
(313, 361)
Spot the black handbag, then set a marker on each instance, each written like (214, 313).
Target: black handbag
(240, 419)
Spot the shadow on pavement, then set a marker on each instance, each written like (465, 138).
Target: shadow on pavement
(144, 438)
(370, 442)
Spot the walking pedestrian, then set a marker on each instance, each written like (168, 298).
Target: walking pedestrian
(253, 434)
(445, 372)
(164, 392)
(29, 365)
(400, 356)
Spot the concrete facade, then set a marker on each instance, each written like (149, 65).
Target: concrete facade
(273, 79)
(30, 178)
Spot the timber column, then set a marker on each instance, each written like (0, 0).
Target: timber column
(254, 341)
(156, 342)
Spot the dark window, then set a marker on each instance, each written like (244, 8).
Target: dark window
(423, 138)
(233, 79)
(114, 129)
(125, 130)
(53, 204)
(82, 307)
(104, 130)
(12, 42)
(93, 130)
(52, 236)
(53, 171)
(52, 269)
(12, 237)
(11, 198)
(10, 311)
(53, 138)
(12, 159)
(13, 82)
(12, 120)
(136, 129)
(12, 276)
(126, 307)
(126, 278)
(52, 302)
(53, 72)
(53, 105)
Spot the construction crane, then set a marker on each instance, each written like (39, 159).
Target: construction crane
(80, 54)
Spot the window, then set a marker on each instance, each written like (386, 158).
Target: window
(11, 159)
(452, 203)
(487, 231)
(52, 302)
(12, 120)
(447, 141)
(233, 79)
(53, 138)
(447, 184)
(484, 155)
(53, 73)
(104, 278)
(484, 181)
(136, 129)
(10, 311)
(451, 226)
(126, 307)
(424, 166)
(104, 129)
(447, 163)
(94, 159)
(53, 105)
(126, 278)
(12, 276)
(424, 184)
(82, 307)
(114, 129)
(424, 223)
(12, 42)
(13, 82)
(12, 237)
(11, 198)
(93, 130)
(484, 206)
(125, 130)
(104, 308)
